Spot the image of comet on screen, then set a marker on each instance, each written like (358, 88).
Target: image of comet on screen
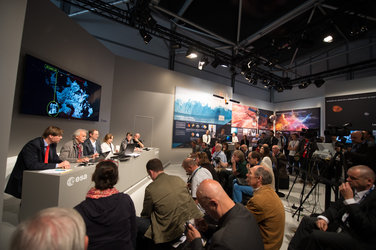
(296, 120)
(244, 116)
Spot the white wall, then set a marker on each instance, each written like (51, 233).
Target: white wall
(12, 15)
(51, 36)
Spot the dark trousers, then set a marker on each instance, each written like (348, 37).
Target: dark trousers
(308, 236)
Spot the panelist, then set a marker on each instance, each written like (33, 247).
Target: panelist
(128, 140)
(72, 151)
(107, 145)
(37, 154)
(92, 146)
(138, 141)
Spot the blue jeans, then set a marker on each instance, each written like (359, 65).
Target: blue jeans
(238, 190)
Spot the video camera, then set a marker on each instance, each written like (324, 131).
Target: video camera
(309, 133)
(338, 131)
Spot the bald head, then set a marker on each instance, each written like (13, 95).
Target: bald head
(356, 137)
(213, 198)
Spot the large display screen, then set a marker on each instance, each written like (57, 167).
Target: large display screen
(51, 91)
(298, 119)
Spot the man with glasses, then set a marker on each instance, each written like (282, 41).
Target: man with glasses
(350, 223)
(37, 154)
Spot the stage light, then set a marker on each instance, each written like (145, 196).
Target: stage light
(304, 84)
(328, 39)
(147, 38)
(203, 62)
(191, 53)
(224, 65)
(319, 82)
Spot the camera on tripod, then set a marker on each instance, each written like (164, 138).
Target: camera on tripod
(341, 131)
(310, 134)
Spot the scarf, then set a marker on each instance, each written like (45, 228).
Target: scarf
(96, 193)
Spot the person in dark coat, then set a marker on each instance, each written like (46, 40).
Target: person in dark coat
(109, 215)
(33, 157)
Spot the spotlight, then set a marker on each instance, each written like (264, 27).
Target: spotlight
(328, 39)
(279, 88)
(147, 38)
(304, 84)
(251, 63)
(319, 82)
(191, 53)
(224, 65)
(203, 62)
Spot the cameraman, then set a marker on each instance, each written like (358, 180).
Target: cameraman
(306, 148)
(219, 157)
(360, 153)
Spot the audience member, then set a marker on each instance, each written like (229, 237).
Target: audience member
(206, 150)
(167, 206)
(222, 136)
(271, 140)
(92, 146)
(293, 148)
(234, 138)
(279, 168)
(137, 140)
(237, 146)
(37, 154)
(127, 140)
(203, 161)
(195, 147)
(72, 151)
(227, 151)
(361, 153)
(107, 145)
(266, 160)
(267, 207)
(244, 141)
(52, 228)
(219, 159)
(281, 141)
(196, 175)
(244, 149)
(237, 228)
(262, 139)
(109, 215)
(350, 223)
(206, 137)
(240, 184)
(254, 159)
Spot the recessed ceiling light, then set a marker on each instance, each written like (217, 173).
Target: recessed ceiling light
(328, 39)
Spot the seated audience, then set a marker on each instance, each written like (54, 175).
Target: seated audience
(127, 140)
(350, 223)
(52, 228)
(219, 159)
(109, 215)
(244, 149)
(91, 145)
(138, 141)
(266, 160)
(234, 138)
(37, 154)
(107, 145)
(196, 175)
(167, 206)
(203, 161)
(237, 228)
(72, 151)
(206, 150)
(195, 147)
(267, 207)
(238, 190)
(226, 151)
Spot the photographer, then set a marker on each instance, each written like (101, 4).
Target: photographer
(306, 148)
(219, 157)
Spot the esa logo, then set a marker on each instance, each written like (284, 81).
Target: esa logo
(72, 180)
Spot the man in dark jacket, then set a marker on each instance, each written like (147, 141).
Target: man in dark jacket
(37, 154)
(237, 227)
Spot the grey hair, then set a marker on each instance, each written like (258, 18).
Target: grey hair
(52, 228)
(219, 145)
(265, 174)
(78, 131)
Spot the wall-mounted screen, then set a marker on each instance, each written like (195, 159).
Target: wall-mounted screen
(51, 91)
(298, 119)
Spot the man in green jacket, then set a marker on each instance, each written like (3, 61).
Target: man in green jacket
(167, 206)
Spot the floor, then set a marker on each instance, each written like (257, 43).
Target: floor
(314, 204)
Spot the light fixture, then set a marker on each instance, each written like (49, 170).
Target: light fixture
(147, 38)
(191, 53)
(218, 96)
(224, 65)
(328, 39)
(235, 101)
(215, 63)
(304, 84)
(203, 62)
(319, 82)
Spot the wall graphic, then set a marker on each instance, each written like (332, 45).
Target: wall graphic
(298, 119)
(244, 116)
(358, 109)
(195, 112)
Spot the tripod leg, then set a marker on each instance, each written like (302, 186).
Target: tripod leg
(296, 177)
(301, 204)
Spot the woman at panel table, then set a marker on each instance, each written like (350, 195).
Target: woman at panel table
(107, 145)
(109, 215)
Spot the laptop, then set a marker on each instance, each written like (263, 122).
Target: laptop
(129, 149)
